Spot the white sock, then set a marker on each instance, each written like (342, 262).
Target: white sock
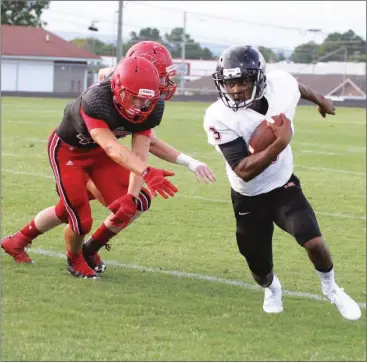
(327, 280)
(275, 284)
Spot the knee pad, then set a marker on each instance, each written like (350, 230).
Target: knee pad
(84, 226)
(144, 200)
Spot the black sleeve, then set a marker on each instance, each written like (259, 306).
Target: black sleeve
(234, 151)
(97, 101)
(154, 119)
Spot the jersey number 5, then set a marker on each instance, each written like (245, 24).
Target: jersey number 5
(216, 134)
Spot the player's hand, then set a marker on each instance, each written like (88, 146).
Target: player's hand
(326, 107)
(156, 181)
(284, 132)
(124, 209)
(201, 171)
(102, 73)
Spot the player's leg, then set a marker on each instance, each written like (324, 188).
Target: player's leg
(254, 232)
(94, 193)
(71, 184)
(16, 244)
(295, 215)
(112, 181)
(102, 236)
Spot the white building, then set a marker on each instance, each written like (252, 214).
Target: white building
(35, 60)
(195, 69)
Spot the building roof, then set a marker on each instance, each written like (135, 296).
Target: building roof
(326, 84)
(18, 40)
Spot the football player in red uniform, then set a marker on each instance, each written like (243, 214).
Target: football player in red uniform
(85, 145)
(54, 216)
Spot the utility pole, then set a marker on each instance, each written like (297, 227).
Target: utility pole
(315, 31)
(345, 69)
(183, 56)
(119, 45)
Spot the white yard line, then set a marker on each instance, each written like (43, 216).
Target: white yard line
(320, 152)
(301, 151)
(196, 276)
(33, 123)
(25, 173)
(320, 169)
(324, 147)
(20, 155)
(336, 215)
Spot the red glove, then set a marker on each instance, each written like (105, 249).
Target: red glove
(155, 179)
(124, 209)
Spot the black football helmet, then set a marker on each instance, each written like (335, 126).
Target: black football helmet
(237, 63)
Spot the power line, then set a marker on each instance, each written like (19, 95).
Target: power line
(201, 39)
(284, 27)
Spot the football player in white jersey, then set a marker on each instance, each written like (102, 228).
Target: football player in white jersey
(265, 190)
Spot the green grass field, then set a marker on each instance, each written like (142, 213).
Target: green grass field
(176, 287)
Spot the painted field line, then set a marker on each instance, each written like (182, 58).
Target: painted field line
(32, 123)
(25, 173)
(196, 276)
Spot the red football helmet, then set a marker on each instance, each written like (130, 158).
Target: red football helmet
(135, 88)
(159, 55)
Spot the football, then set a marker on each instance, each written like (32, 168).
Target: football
(263, 136)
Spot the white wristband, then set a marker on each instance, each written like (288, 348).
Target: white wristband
(184, 160)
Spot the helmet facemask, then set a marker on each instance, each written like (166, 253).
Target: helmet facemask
(135, 88)
(167, 87)
(255, 80)
(135, 107)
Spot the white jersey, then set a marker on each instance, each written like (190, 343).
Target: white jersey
(223, 125)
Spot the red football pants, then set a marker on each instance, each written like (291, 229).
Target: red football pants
(72, 167)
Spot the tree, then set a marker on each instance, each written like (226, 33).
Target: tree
(305, 53)
(193, 50)
(152, 34)
(269, 55)
(95, 45)
(352, 42)
(22, 12)
(281, 56)
(173, 41)
(355, 45)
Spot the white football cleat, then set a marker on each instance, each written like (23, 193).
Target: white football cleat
(347, 307)
(273, 297)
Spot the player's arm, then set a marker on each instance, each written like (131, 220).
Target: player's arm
(118, 152)
(140, 143)
(235, 150)
(154, 178)
(125, 207)
(248, 166)
(325, 105)
(166, 152)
